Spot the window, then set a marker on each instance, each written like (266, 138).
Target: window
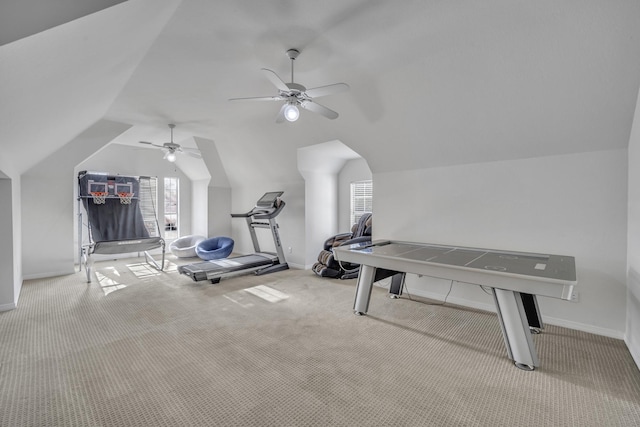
(148, 202)
(361, 199)
(171, 208)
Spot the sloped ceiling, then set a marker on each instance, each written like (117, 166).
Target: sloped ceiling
(59, 82)
(433, 83)
(20, 19)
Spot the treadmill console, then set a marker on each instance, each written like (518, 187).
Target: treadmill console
(268, 206)
(269, 200)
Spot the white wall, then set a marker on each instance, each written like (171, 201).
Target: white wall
(569, 204)
(632, 336)
(320, 166)
(10, 231)
(48, 218)
(8, 292)
(48, 202)
(199, 207)
(219, 209)
(321, 211)
(16, 207)
(10, 241)
(218, 192)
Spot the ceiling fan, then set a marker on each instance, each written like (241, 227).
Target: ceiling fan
(295, 95)
(171, 148)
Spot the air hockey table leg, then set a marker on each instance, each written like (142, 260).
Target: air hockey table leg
(515, 329)
(363, 289)
(397, 282)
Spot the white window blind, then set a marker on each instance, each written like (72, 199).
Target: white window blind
(361, 199)
(148, 204)
(171, 208)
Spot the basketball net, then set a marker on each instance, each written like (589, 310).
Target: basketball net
(125, 198)
(99, 197)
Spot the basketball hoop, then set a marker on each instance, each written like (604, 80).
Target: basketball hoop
(99, 197)
(125, 198)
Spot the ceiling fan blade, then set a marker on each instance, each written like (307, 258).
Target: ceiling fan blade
(192, 152)
(320, 109)
(277, 81)
(259, 98)
(280, 116)
(151, 143)
(317, 92)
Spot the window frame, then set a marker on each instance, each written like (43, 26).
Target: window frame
(171, 190)
(361, 199)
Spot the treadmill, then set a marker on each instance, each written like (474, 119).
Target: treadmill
(263, 215)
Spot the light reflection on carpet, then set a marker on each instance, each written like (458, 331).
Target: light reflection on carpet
(143, 270)
(263, 292)
(107, 284)
(267, 293)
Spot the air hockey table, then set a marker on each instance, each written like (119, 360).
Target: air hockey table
(515, 279)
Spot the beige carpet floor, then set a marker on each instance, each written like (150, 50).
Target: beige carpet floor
(141, 348)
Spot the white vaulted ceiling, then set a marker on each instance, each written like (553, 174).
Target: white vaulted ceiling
(433, 83)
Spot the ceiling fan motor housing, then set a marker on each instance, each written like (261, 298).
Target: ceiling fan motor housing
(296, 87)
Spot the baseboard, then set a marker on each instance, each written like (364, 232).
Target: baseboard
(46, 275)
(7, 307)
(596, 330)
(546, 319)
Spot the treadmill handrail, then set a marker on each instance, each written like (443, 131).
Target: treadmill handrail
(269, 215)
(260, 212)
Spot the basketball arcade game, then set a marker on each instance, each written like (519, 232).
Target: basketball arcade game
(121, 218)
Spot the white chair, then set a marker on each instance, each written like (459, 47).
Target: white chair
(185, 247)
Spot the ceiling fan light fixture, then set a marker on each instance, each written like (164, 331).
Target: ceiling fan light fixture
(171, 149)
(291, 113)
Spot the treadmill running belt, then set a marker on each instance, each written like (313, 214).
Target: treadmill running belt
(219, 267)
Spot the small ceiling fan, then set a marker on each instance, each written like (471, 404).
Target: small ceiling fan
(295, 95)
(171, 148)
